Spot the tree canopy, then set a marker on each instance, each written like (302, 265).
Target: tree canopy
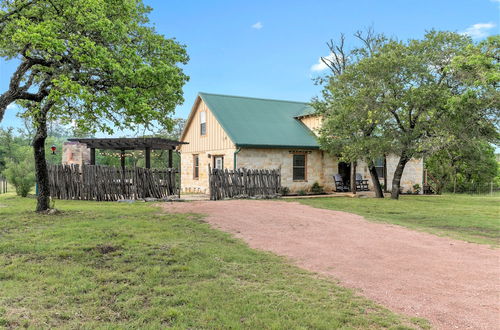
(413, 97)
(100, 62)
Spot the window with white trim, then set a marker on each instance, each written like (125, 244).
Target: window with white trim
(203, 123)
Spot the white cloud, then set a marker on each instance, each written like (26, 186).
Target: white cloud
(257, 26)
(495, 1)
(320, 65)
(479, 30)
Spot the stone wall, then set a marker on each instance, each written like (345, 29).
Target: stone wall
(320, 166)
(413, 172)
(191, 185)
(75, 153)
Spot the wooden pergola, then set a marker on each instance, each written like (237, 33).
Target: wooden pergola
(123, 144)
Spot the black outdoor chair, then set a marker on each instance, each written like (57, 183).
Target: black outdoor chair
(339, 184)
(361, 184)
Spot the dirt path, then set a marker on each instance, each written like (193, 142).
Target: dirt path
(453, 284)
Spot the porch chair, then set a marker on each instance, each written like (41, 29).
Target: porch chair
(339, 184)
(361, 184)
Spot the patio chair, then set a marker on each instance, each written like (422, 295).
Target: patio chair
(339, 184)
(361, 184)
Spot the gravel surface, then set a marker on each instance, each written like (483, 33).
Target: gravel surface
(453, 284)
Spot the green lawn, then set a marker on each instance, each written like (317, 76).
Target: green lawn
(117, 265)
(470, 218)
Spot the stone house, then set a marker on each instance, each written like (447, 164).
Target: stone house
(233, 132)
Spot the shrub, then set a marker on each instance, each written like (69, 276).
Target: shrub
(416, 188)
(284, 191)
(21, 174)
(316, 188)
(301, 192)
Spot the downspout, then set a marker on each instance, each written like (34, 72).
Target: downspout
(234, 156)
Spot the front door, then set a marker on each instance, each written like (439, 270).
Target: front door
(345, 172)
(219, 162)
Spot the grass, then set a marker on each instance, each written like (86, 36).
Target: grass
(117, 265)
(469, 218)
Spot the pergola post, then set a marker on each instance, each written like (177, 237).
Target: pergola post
(122, 159)
(92, 156)
(170, 158)
(147, 153)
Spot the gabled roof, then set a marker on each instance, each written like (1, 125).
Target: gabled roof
(254, 122)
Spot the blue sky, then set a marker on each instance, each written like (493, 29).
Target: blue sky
(269, 48)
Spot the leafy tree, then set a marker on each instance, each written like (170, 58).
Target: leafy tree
(349, 105)
(95, 63)
(429, 95)
(457, 169)
(20, 172)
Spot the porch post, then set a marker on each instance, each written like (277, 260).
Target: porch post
(170, 160)
(122, 159)
(148, 157)
(92, 156)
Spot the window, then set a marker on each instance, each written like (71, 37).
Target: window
(380, 167)
(219, 162)
(299, 167)
(203, 123)
(196, 167)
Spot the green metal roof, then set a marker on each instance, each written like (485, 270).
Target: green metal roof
(253, 122)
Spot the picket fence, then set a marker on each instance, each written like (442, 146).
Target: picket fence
(109, 183)
(244, 183)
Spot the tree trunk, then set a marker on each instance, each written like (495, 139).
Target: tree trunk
(41, 171)
(398, 173)
(375, 180)
(353, 177)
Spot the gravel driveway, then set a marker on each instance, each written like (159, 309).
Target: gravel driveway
(453, 284)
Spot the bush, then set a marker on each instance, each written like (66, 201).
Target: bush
(301, 192)
(416, 188)
(316, 188)
(284, 191)
(21, 174)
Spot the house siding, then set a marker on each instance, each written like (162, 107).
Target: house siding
(312, 122)
(214, 142)
(320, 166)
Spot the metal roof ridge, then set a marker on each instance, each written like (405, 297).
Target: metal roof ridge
(253, 98)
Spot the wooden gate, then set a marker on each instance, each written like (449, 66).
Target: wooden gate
(244, 183)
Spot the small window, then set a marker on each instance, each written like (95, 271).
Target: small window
(203, 123)
(299, 167)
(219, 162)
(196, 167)
(380, 167)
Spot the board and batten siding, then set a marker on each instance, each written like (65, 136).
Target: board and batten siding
(215, 138)
(312, 122)
(215, 142)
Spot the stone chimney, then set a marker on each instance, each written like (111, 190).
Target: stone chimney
(75, 153)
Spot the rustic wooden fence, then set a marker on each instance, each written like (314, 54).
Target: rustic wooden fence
(243, 183)
(3, 184)
(108, 183)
